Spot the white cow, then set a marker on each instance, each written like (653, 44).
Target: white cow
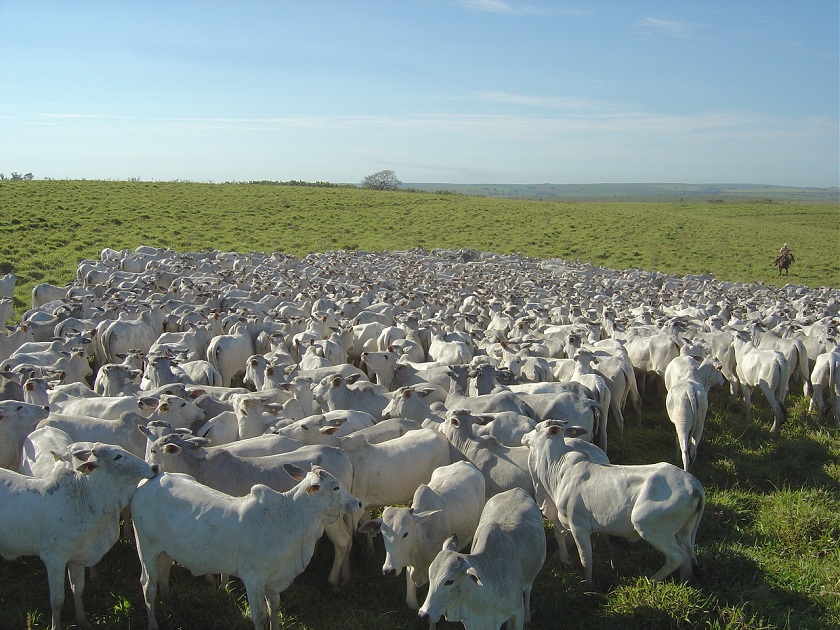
(229, 354)
(766, 369)
(492, 584)
(17, 420)
(338, 392)
(390, 472)
(69, 519)
(451, 503)
(659, 503)
(118, 336)
(235, 475)
(687, 403)
(504, 467)
(826, 376)
(266, 538)
(104, 407)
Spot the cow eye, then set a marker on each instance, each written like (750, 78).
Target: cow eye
(336, 489)
(449, 582)
(118, 457)
(406, 534)
(20, 407)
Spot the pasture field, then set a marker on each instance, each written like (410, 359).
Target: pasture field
(47, 226)
(769, 542)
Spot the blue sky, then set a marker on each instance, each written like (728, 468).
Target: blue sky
(460, 91)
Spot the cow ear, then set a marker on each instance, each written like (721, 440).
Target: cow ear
(148, 402)
(407, 393)
(59, 457)
(451, 544)
(336, 381)
(471, 572)
(400, 367)
(295, 472)
(554, 430)
(485, 419)
(372, 527)
(328, 430)
(313, 488)
(424, 391)
(422, 516)
(171, 449)
(352, 378)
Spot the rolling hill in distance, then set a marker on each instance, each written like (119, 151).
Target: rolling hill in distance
(637, 192)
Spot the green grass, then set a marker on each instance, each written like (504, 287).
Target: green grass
(46, 227)
(770, 537)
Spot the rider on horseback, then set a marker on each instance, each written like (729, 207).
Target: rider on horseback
(784, 259)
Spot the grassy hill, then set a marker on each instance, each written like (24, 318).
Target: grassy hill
(48, 226)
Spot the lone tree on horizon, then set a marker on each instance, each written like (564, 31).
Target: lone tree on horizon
(383, 180)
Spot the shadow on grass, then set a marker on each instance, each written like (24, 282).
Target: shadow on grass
(740, 454)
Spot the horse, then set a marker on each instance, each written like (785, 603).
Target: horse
(783, 261)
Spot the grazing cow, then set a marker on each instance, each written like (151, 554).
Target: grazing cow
(70, 518)
(767, 369)
(266, 538)
(17, 420)
(451, 503)
(658, 503)
(492, 584)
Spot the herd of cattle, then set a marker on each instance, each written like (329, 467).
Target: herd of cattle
(239, 406)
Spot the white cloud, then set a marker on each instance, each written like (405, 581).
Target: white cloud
(493, 6)
(558, 102)
(670, 28)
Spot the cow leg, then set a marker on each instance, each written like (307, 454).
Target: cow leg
(526, 602)
(272, 598)
(164, 567)
(341, 539)
(76, 573)
(150, 562)
(817, 402)
(778, 413)
(675, 555)
(746, 391)
(836, 411)
(684, 540)
(410, 591)
(55, 577)
(256, 602)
